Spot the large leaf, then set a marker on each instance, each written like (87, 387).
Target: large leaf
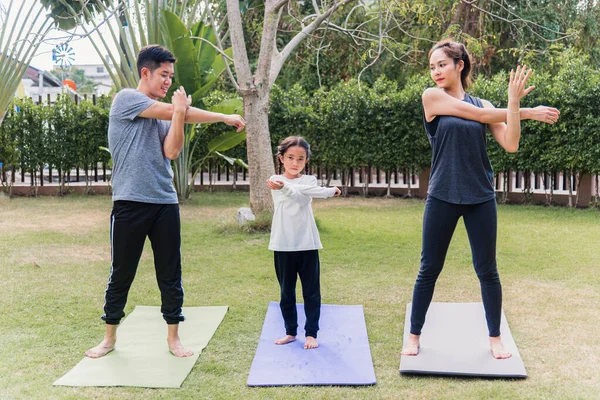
(218, 66)
(226, 141)
(186, 67)
(231, 160)
(206, 52)
(229, 106)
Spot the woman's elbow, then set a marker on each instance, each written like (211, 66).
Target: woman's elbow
(512, 148)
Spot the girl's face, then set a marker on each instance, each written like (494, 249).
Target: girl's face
(444, 72)
(293, 160)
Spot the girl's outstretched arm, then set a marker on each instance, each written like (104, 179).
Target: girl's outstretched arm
(311, 189)
(302, 192)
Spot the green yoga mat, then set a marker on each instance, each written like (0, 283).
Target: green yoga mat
(141, 357)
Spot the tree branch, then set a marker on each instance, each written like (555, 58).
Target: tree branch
(528, 23)
(219, 48)
(267, 46)
(275, 6)
(216, 47)
(240, 54)
(278, 61)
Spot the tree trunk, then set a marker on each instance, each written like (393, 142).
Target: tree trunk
(596, 193)
(389, 184)
(260, 154)
(577, 187)
(506, 178)
(552, 183)
(568, 177)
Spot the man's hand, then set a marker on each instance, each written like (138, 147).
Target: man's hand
(338, 192)
(180, 100)
(274, 185)
(235, 120)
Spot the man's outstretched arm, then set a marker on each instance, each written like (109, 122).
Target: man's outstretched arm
(194, 115)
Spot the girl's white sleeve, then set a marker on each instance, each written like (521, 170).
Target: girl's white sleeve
(312, 189)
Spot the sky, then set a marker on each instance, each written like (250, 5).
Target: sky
(84, 52)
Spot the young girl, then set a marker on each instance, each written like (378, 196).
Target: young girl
(295, 238)
(461, 180)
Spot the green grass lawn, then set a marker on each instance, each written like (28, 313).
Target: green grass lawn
(54, 263)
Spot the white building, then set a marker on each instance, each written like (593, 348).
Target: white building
(41, 85)
(96, 73)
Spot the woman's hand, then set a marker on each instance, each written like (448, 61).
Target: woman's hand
(516, 84)
(338, 192)
(545, 114)
(274, 185)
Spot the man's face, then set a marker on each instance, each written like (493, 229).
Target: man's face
(159, 80)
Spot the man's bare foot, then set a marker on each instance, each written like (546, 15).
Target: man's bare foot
(177, 349)
(286, 339)
(105, 347)
(175, 346)
(311, 343)
(497, 348)
(412, 347)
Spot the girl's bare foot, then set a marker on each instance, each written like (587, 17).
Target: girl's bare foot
(497, 348)
(412, 347)
(286, 339)
(311, 343)
(105, 347)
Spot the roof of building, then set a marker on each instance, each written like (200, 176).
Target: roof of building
(49, 79)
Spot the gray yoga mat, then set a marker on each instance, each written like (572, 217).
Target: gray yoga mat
(454, 341)
(141, 357)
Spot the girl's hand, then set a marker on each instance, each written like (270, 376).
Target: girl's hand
(338, 192)
(516, 85)
(545, 114)
(274, 185)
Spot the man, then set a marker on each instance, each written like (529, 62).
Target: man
(144, 135)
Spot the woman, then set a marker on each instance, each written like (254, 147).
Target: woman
(461, 179)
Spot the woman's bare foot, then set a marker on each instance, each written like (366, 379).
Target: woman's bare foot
(311, 343)
(412, 347)
(177, 349)
(497, 348)
(105, 347)
(286, 339)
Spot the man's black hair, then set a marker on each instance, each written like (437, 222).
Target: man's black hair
(152, 57)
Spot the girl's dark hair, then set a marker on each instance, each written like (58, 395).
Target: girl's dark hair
(152, 57)
(292, 141)
(457, 52)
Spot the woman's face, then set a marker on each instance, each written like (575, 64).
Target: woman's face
(444, 72)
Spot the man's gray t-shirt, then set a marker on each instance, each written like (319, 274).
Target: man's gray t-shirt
(141, 172)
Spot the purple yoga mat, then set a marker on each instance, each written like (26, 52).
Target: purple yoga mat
(342, 358)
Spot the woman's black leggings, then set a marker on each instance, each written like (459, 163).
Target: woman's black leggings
(439, 222)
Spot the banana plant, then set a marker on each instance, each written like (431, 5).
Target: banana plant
(23, 27)
(197, 69)
(186, 167)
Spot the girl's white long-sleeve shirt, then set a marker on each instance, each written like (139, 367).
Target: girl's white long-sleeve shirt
(294, 227)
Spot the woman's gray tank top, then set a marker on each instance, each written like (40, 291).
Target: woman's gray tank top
(461, 172)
